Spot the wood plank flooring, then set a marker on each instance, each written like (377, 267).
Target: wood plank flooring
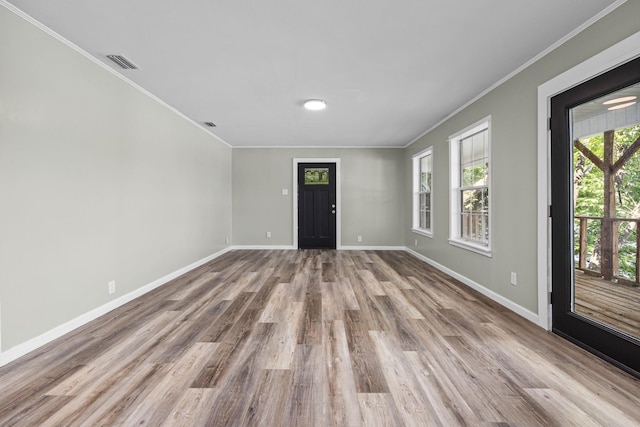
(613, 304)
(314, 338)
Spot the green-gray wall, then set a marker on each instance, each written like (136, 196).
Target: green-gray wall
(513, 108)
(98, 182)
(372, 195)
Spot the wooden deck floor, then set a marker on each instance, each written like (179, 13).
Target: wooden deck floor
(610, 303)
(314, 338)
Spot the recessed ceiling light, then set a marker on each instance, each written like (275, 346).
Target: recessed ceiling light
(315, 104)
(621, 106)
(617, 100)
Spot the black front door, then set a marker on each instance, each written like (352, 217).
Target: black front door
(595, 137)
(316, 205)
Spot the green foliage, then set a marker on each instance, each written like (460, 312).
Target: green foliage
(589, 198)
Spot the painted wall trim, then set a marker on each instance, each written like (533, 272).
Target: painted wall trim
(527, 64)
(45, 338)
(527, 314)
(264, 247)
(104, 66)
(373, 248)
(297, 160)
(341, 248)
(616, 55)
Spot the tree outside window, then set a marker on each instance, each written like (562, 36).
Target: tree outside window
(422, 192)
(470, 210)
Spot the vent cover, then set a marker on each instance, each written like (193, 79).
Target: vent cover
(210, 124)
(122, 62)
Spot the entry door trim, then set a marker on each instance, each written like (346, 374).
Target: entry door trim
(294, 194)
(616, 55)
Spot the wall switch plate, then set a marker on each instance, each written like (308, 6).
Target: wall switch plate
(112, 286)
(268, 234)
(285, 191)
(514, 278)
(226, 240)
(416, 242)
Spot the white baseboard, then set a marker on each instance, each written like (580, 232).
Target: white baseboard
(340, 248)
(518, 309)
(21, 349)
(264, 247)
(371, 248)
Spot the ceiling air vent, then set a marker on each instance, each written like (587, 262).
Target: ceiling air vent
(123, 62)
(210, 124)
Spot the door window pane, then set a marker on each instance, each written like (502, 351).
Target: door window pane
(606, 179)
(316, 176)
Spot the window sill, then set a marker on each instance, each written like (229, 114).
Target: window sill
(422, 232)
(479, 249)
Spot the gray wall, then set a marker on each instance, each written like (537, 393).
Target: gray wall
(513, 107)
(98, 182)
(372, 195)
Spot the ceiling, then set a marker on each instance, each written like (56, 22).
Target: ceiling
(601, 105)
(388, 69)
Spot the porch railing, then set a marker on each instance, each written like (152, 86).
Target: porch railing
(609, 251)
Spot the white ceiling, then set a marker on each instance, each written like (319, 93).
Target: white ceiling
(598, 107)
(388, 69)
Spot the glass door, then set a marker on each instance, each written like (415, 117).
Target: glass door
(595, 156)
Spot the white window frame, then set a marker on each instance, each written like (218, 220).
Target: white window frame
(416, 194)
(455, 228)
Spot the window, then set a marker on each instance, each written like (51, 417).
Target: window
(316, 176)
(422, 195)
(470, 224)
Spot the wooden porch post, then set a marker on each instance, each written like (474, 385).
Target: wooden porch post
(582, 261)
(637, 252)
(609, 230)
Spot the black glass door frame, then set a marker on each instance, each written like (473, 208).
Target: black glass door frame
(294, 196)
(602, 340)
(317, 206)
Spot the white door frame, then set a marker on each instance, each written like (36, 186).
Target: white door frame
(606, 60)
(338, 196)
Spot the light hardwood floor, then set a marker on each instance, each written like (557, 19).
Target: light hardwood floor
(315, 338)
(613, 304)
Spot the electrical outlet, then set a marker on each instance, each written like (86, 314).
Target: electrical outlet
(359, 238)
(112, 286)
(416, 243)
(268, 234)
(514, 278)
(226, 240)
(285, 191)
